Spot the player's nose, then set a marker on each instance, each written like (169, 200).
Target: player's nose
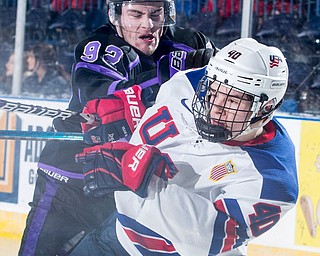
(147, 22)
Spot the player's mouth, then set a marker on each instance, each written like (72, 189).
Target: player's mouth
(147, 38)
(217, 123)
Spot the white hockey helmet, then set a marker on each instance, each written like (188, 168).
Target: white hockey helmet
(115, 10)
(256, 70)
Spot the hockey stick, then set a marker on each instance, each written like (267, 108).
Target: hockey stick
(46, 112)
(34, 135)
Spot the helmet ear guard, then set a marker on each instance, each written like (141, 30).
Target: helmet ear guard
(114, 12)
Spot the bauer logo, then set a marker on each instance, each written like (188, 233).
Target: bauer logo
(9, 159)
(278, 84)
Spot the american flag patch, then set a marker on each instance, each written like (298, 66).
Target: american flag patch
(221, 170)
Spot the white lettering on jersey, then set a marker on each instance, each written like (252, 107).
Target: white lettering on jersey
(133, 106)
(138, 157)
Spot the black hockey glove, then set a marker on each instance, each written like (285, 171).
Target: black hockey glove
(199, 58)
(181, 60)
(121, 166)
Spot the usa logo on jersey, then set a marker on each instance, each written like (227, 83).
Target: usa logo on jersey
(221, 170)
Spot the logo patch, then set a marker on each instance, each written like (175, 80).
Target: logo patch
(275, 61)
(221, 170)
(183, 102)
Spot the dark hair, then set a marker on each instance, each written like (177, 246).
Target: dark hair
(45, 54)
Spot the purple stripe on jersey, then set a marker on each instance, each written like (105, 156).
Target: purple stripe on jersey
(53, 169)
(134, 63)
(39, 218)
(99, 69)
(182, 47)
(149, 83)
(113, 87)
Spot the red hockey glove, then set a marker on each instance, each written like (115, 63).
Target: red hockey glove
(121, 166)
(181, 60)
(119, 113)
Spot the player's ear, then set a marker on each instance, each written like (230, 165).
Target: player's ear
(265, 111)
(267, 107)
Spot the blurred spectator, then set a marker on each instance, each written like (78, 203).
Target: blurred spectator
(48, 79)
(6, 78)
(189, 8)
(61, 5)
(227, 8)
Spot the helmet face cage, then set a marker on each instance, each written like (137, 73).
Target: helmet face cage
(245, 69)
(115, 11)
(222, 112)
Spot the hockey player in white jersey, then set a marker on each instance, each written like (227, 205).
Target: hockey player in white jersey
(208, 168)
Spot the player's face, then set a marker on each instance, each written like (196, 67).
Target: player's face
(141, 25)
(31, 61)
(229, 108)
(10, 65)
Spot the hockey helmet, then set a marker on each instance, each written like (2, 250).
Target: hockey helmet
(115, 10)
(256, 72)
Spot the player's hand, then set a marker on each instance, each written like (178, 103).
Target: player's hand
(182, 60)
(199, 58)
(119, 115)
(120, 166)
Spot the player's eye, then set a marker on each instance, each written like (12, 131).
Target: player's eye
(135, 14)
(156, 14)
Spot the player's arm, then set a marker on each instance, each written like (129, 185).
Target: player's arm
(121, 166)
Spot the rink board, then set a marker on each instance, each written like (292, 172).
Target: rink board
(291, 236)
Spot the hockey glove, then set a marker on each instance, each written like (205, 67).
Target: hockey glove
(182, 60)
(120, 166)
(119, 113)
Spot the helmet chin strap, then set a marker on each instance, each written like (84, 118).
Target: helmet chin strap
(213, 133)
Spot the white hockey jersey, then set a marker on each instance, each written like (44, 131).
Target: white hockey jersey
(222, 195)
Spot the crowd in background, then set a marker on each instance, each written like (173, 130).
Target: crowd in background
(291, 25)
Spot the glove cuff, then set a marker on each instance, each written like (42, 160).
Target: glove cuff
(133, 106)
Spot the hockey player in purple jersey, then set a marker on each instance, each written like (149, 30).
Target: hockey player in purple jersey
(140, 46)
(207, 169)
